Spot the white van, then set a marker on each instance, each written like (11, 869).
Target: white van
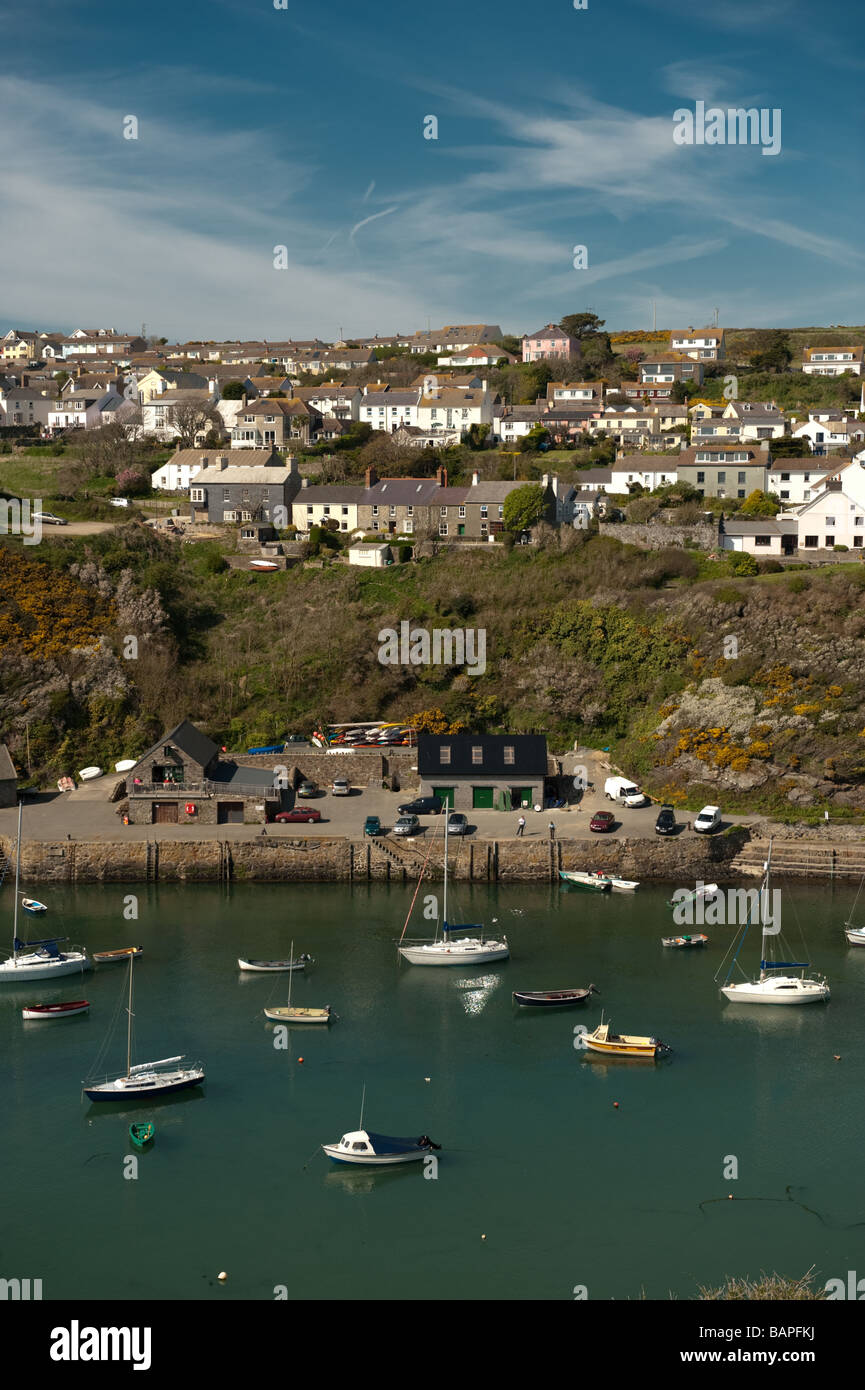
(623, 791)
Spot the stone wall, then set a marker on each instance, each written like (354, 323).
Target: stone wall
(316, 859)
(657, 536)
(363, 768)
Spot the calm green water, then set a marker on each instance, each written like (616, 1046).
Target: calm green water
(567, 1189)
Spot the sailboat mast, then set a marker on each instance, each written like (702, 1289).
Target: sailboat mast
(290, 973)
(129, 1027)
(362, 1101)
(17, 880)
(445, 905)
(764, 904)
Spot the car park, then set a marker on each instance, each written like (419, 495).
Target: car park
(300, 813)
(340, 787)
(458, 824)
(708, 820)
(422, 806)
(407, 825)
(308, 789)
(602, 821)
(666, 822)
(372, 826)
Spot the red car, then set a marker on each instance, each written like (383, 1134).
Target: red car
(300, 813)
(602, 820)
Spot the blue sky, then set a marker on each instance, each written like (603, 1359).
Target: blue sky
(303, 127)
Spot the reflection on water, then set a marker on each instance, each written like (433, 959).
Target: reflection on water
(478, 992)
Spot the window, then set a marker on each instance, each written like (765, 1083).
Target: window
(857, 540)
(327, 511)
(722, 477)
(785, 493)
(830, 522)
(484, 509)
(701, 477)
(226, 494)
(811, 542)
(409, 528)
(443, 528)
(741, 478)
(393, 511)
(197, 494)
(462, 511)
(345, 511)
(375, 509)
(443, 511)
(375, 525)
(509, 754)
(741, 492)
(477, 754)
(762, 540)
(858, 521)
(444, 754)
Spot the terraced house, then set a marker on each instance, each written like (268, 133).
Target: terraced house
(229, 492)
(725, 469)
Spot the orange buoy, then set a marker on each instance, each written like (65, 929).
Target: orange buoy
(615, 1105)
(300, 1059)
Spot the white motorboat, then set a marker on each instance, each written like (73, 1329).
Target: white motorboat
(146, 1079)
(361, 1146)
(771, 987)
(592, 879)
(37, 960)
(450, 949)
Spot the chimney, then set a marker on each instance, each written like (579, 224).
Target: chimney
(475, 478)
(484, 385)
(370, 477)
(243, 401)
(304, 482)
(442, 477)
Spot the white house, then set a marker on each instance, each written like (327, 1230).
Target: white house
(453, 408)
(759, 537)
(370, 554)
(702, 344)
(313, 506)
(757, 421)
(156, 415)
(827, 434)
(79, 412)
(796, 481)
(832, 361)
(836, 516)
(635, 469)
(389, 410)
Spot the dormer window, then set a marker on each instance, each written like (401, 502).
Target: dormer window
(444, 754)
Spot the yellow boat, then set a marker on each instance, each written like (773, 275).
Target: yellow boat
(623, 1044)
(292, 1014)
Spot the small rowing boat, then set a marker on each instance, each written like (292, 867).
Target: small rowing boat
(592, 879)
(610, 1044)
(624, 885)
(695, 939)
(275, 965)
(552, 998)
(291, 1013)
(142, 1134)
(123, 953)
(38, 1011)
(33, 906)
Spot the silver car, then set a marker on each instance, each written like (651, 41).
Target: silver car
(458, 824)
(341, 787)
(407, 825)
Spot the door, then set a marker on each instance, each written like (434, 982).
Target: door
(520, 797)
(164, 813)
(446, 794)
(229, 813)
(483, 798)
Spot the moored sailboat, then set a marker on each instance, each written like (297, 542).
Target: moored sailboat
(288, 1013)
(37, 960)
(453, 950)
(146, 1079)
(770, 987)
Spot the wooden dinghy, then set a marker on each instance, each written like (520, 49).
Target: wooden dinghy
(33, 906)
(610, 1044)
(37, 1011)
(291, 1013)
(695, 939)
(142, 1134)
(552, 998)
(123, 953)
(274, 965)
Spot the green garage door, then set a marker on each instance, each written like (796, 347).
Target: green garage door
(446, 794)
(522, 796)
(483, 798)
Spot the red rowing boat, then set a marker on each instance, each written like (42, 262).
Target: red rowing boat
(75, 1006)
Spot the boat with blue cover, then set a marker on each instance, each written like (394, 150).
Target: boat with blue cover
(362, 1146)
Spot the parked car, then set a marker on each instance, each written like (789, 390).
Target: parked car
(708, 820)
(602, 820)
(300, 813)
(119, 501)
(422, 806)
(407, 825)
(623, 790)
(340, 787)
(666, 822)
(49, 518)
(372, 826)
(308, 789)
(458, 824)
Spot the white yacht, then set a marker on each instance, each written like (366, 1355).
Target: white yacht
(450, 949)
(37, 960)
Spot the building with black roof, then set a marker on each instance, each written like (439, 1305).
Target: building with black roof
(503, 772)
(182, 780)
(8, 778)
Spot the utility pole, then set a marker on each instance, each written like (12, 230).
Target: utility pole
(27, 732)
(654, 316)
(715, 325)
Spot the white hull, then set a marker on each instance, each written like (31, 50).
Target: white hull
(855, 935)
(783, 989)
(36, 967)
(624, 885)
(339, 1155)
(465, 952)
(286, 1014)
(271, 967)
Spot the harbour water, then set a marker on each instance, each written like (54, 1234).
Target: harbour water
(567, 1188)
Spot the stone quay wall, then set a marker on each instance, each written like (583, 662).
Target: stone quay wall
(317, 859)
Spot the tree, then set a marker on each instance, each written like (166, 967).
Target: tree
(191, 419)
(233, 391)
(477, 436)
(771, 352)
(581, 326)
(510, 344)
(760, 504)
(524, 507)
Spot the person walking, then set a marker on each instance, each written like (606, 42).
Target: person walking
(521, 825)
(552, 831)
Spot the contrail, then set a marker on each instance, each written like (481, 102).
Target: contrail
(357, 226)
(368, 191)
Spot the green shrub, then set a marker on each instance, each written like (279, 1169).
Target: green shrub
(797, 584)
(743, 564)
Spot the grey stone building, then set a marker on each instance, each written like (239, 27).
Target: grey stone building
(229, 492)
(8, 778)
(182, 780)
(503, 772)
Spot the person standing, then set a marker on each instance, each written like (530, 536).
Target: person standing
(552, 831)
(521, 825)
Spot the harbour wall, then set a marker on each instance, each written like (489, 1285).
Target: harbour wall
(317, 859)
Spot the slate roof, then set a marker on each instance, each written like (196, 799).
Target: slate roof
(530, 756)
(189, 740)
(325, 493)
(7, 767)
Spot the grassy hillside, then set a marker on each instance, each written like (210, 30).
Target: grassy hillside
(586, 639)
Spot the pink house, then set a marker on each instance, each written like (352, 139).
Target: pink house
(551, 341)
